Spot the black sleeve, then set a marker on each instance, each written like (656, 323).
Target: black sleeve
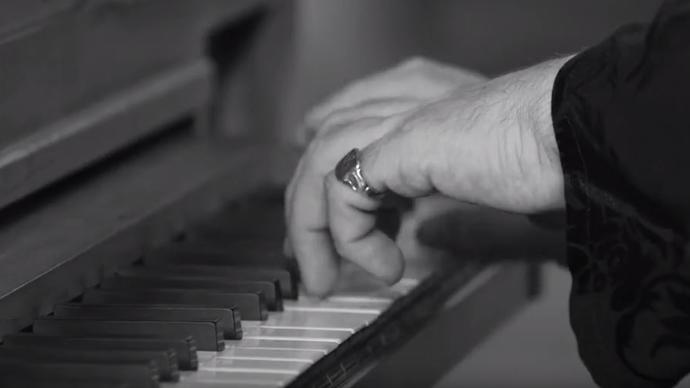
(621, 111)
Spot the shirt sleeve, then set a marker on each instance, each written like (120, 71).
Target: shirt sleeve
(621, 112)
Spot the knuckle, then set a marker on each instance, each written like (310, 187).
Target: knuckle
(336, 118)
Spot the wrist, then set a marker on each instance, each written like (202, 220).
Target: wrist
(534, 90)
(540, 81)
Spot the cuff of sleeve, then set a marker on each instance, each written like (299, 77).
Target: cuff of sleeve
(629, 306)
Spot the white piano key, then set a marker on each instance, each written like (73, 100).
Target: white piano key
(339, 329)
(406, 284)
(268, 352)
(275, 351)
(203, 356)
(331, 309)
(292, 339)
(384, 293)
(342, 320)
(291, 343)
(235, 378)
(360, 300)
(292, 360)
(259, 332)
(237, 383)
(340, 302)
(255, 364)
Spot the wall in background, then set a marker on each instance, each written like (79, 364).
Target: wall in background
(496, 36)
(340, 40)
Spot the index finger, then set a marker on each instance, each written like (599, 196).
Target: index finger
(308, 228)
(352, 221)
(308, 233)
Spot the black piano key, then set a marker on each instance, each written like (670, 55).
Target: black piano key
(137, 375)
(288, 287)
(270, 290)
(165, 361)
(252, 306)
(226, 318)
(252, 253)
(185, 348)
(207, 335)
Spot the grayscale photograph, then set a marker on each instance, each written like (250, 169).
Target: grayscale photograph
(344, 193)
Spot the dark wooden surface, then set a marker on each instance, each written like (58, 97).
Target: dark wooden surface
(66, 239)
(83, 79)
(17, 17)
(59, 57)
(94, 132)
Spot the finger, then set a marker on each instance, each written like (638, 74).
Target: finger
(415, 77)
(307, 217)
(378, 86)
(375, 107)
(352, 222)
(351, 215)
(319, 266)
(290, 190)
(309, 236)
(448, 74)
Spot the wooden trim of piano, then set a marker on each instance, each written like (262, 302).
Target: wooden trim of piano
(471, 313)
(104, 127)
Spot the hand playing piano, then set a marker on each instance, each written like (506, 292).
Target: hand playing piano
(489, 143)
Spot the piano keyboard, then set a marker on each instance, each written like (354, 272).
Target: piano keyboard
(220, 309)
(275, 351)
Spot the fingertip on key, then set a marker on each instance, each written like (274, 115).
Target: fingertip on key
(319, 285)
(394, 270)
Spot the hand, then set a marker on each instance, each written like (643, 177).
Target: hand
(407, 86)
(403, 87)
(491, 144)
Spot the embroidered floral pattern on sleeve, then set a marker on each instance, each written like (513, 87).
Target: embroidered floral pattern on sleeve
(630, 298)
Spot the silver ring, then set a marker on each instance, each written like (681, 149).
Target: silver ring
(349, 171)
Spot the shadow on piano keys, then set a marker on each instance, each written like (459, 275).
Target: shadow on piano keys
(221, 307)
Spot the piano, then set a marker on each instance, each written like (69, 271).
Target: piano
(141, 180)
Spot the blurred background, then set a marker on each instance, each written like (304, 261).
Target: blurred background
(337, 41)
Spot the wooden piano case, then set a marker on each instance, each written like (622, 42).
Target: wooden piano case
(126, 121)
